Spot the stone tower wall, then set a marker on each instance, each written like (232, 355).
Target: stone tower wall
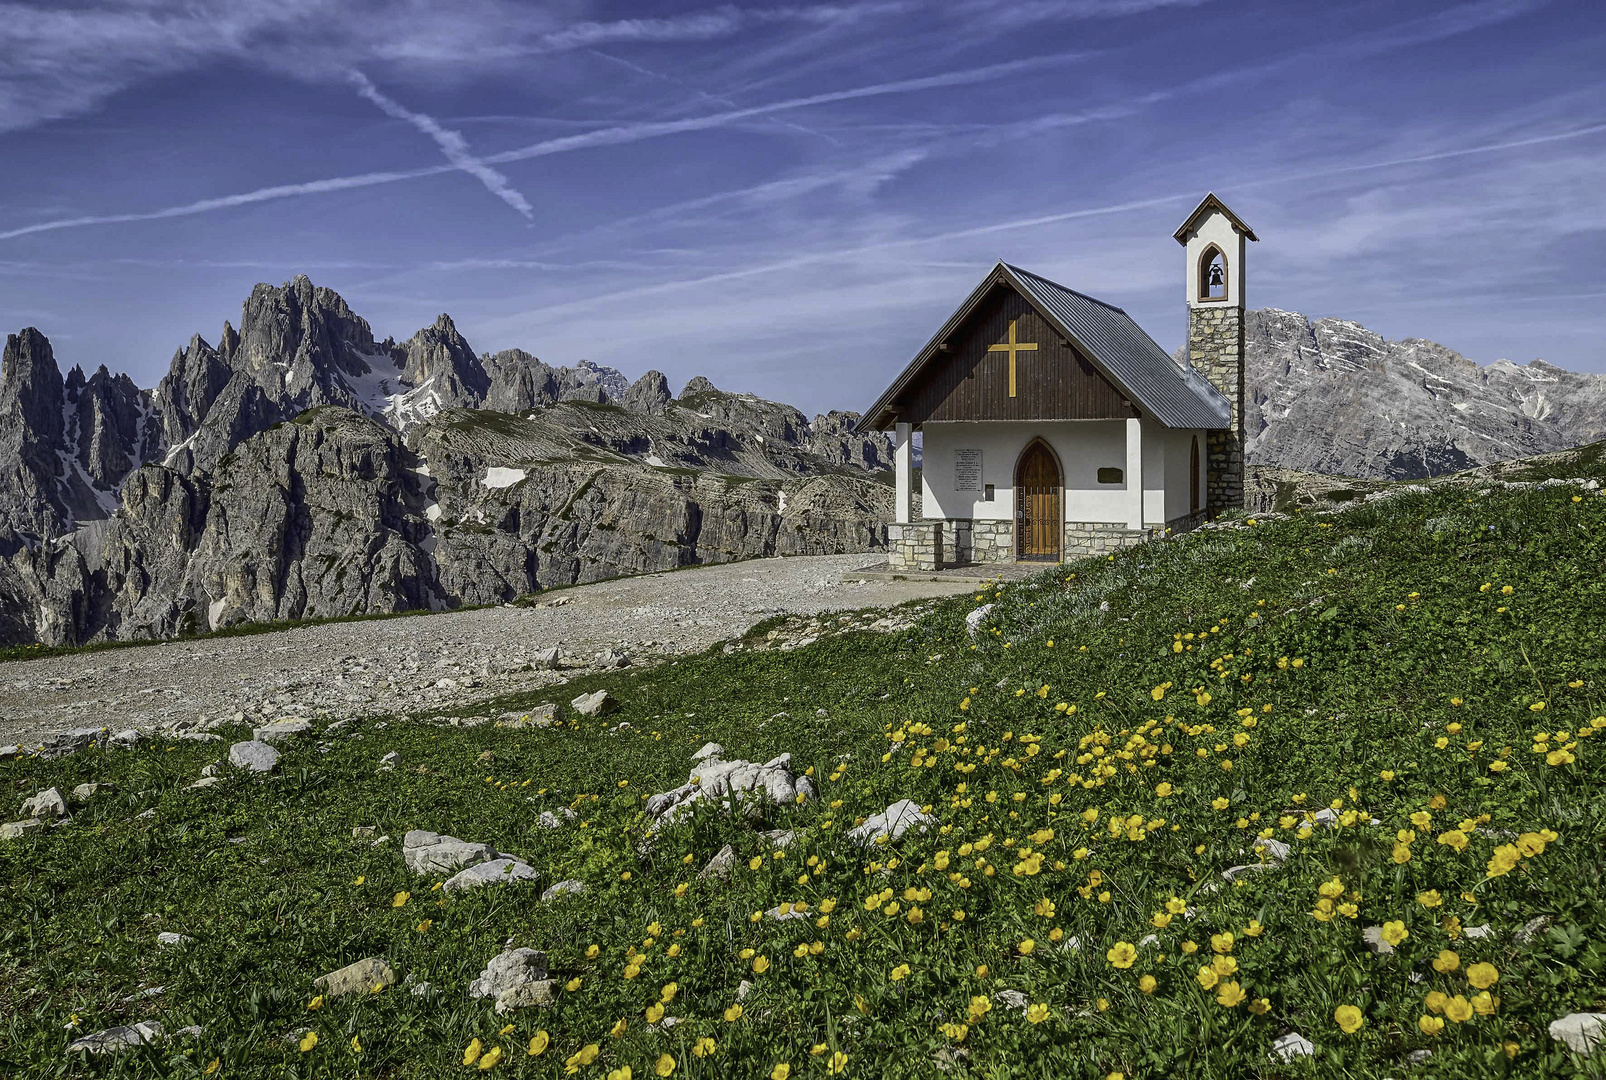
(1216, 351)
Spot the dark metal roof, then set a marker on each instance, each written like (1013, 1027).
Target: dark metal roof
(1177, 396)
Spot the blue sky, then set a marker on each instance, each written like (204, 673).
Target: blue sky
(791, 198)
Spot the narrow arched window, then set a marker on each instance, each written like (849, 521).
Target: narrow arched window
(1193, 478)
(1213, 274)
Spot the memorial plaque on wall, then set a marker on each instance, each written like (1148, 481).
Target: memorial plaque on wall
(967, 470)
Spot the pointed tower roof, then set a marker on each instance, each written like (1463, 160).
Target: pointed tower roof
(1206, 205)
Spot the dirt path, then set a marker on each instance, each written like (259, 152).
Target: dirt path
(428, 662)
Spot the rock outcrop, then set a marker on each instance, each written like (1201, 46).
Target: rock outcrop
(303, 469)
(1332, 397)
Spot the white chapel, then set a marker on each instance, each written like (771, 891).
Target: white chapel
(1052, 426)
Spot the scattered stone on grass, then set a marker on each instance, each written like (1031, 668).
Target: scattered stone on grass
(598, 703)
(9, 752)
(113, 1039)
(733, 782)
(507, 970)
(720, 866)
(892, 823)
(431, 853)
(555, 819)
(47, 804)
(1584, 1033)
(564, 888)
(167, 939)
(546, 659)
(539, 994)
(1477, 933)
(1291, 1046)
(1373, 936)
(287, 728)
(358, 978)
(256, 756)
(364, 832)
(84, 792)
(125, 740)
(973, 620)
(504, 870)
(15, 830)
(207, 781)
(1529, 931)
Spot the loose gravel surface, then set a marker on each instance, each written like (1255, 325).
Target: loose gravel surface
(429, 663)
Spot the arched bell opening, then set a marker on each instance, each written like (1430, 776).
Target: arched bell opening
(1212, 274)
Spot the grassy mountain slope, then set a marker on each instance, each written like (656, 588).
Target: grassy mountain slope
(1118, 734)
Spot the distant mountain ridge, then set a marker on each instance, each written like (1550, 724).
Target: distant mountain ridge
(301, 468)
(1330, 396)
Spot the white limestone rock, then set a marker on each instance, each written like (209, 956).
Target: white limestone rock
(358, 978)
(47, 804)
(892, 823)
(1291, 1046)
(15, 830)
(432, 853)
(167, 939)
(564, 888)
(720, 866)
(207, 781)
(496, 872)
(507, 969)
(113, 1039)
(257, 756)
(555, 819)
(540, 994)
(598, 703)
(974, 619)
(279, 730)
(125, 740)
(732, 783)
(1584, 1033)
(84, 792)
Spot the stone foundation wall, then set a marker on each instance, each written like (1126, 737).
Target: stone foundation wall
(1216, 351)
(966, 541)
(1101, 537)
(1186, 523)
(915, 546)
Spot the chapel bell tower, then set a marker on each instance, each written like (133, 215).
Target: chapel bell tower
(1215, 239)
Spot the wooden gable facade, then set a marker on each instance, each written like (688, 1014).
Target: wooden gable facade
(967, 376)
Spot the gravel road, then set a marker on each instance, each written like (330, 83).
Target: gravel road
(438, 663)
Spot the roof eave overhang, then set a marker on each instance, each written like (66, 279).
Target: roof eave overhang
(1210, 201)
(882, 415)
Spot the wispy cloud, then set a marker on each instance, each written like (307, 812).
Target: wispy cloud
(452, 144)
(615, 135)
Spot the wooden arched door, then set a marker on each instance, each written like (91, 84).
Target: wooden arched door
(1039, 517)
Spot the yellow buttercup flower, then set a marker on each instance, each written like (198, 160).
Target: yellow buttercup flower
(733, 1014)
(1207, 977)
(472, 1052)
(308, 1041)
(664, 1066)
(1036, 1014)
(1122, 954)
(1147, 984)
(1229, 995)
(1446, 962)
(839, 1060)
(584, 1056)
(1458, 1010)
(539, 1044)
(704, 1047)
(489, 1059)
(655, 1013)
(1430, 1025)
(1348, 1018)
(1483, 975)
(1395, 932)
(401, 899)
(781, 1071)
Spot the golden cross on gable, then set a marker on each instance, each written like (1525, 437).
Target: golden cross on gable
(1012, 347)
